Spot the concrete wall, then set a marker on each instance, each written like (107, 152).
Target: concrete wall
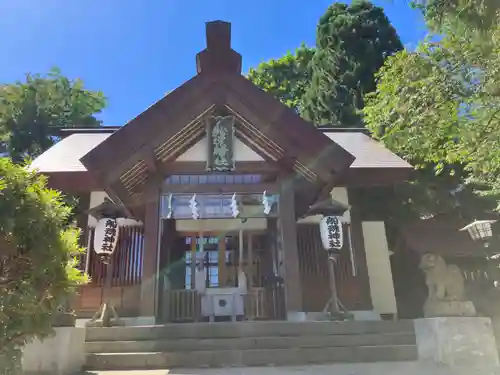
(379, 267)
(62, 354)
(199, 152)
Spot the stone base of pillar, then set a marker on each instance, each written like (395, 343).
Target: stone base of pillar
(458, 342)
(296, 316)
(365, 315)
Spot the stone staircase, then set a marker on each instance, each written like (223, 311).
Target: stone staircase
(248, 344)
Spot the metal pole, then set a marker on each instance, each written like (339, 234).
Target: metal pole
(334, 304)
(240, 252)
(107, 309)
(109, 280)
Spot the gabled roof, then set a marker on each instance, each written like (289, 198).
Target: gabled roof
(368, 152)
(65, 155)
(175, 122)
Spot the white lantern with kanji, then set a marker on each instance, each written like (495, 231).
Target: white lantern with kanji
(331, 232)
(105, 237)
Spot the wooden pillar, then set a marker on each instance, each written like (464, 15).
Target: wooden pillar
(150, 256)
(250, 267)
(193, 260)
(287, 228)
(364, 302)
(82, 217)
(222, 261)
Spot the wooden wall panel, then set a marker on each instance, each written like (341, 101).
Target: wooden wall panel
(314, 271)
(126, 300)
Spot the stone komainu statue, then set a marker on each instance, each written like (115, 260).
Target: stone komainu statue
(446, 286)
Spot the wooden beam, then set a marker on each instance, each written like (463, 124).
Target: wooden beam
(286, 163)
(358, 177)
(119, 194)
(222, 188)
(72, 182)
(151, 161)
(177, 109)
(199, 167)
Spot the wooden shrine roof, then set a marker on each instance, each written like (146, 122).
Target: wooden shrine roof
(371, 157)
(122, 163)
(163, 131)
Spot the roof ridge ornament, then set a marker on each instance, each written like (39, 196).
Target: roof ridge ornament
(218, 57)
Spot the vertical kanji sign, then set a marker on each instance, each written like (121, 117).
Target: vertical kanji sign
(106, 236)
(331, 232)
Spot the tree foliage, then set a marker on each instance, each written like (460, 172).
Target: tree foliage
(38, 258)
(439, 108)
(30, 108)
(352, 43)
(466, 15)
(286, 78)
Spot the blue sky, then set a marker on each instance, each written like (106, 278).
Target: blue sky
(136, 51)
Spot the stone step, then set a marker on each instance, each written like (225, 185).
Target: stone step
(253, 357)
(246, 343)
(245, 329)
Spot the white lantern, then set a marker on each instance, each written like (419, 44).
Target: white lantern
(331, 232)
(106, 236)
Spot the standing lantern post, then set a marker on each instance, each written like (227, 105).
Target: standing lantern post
(480, 230)
(332, 239)
(106, 237)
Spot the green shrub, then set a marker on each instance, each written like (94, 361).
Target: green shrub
(38, 259)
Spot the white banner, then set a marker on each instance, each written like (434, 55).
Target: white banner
(331, 232)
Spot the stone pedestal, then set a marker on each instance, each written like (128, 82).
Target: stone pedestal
(61, 354)
(449, 308)
(457, 342)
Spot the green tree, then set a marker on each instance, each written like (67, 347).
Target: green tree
(438, 107)
(287, 78)
(352, 43)
(38, 259)
(29, 109)
(466, 15)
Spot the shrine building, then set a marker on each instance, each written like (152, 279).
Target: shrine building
(218, 178)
